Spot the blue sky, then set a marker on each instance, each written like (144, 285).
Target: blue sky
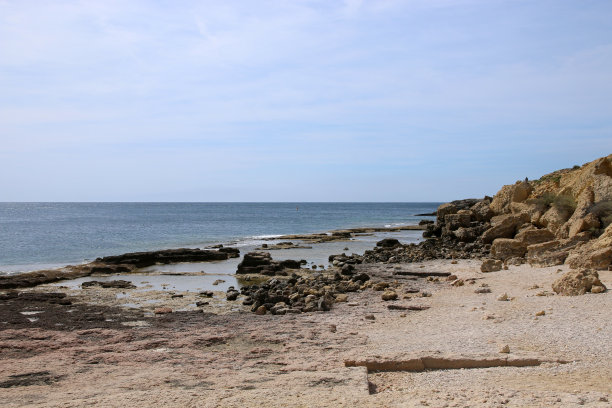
(416, 100)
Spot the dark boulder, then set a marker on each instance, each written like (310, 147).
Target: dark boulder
(388, 243)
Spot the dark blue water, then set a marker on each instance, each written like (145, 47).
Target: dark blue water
(61, 233)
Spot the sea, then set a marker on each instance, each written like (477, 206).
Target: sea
(44, 235)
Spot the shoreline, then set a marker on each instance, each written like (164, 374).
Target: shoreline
(504, 303)
(8, 270)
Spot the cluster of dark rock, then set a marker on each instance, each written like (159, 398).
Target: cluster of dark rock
(168, 256)
(298, 294)
(116, 284)
(263, 264)
(457, 234)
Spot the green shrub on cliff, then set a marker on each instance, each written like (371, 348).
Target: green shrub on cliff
(603, 211)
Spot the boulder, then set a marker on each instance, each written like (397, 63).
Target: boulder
(388, 243)
(554, 252)
(504, 226)
(466, 234)
(595, 254)
(578, 282)
(508, 194)
(530, 236)
(504, 248)
(454, 221)
(586, 223)
(389, 295)
(482, 211)
(491, 265)
(445, 209)
(554, 218)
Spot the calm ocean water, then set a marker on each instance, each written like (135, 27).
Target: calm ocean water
(41, 234)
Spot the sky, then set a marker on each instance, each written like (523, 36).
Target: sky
(301, 100)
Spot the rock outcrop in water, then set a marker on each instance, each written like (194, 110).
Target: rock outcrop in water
(262, 263)
(168, 256)
(125, 263)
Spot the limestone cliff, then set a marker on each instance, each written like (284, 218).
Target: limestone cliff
(568, 216)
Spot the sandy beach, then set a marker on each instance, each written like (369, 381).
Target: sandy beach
(109, 356)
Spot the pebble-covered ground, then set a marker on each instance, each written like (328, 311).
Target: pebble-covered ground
(83, 349)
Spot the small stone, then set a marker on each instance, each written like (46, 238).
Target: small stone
(261, 310)
(451, 278)
(598, 289)
(454, 262)
(458, 282)
(541, 313)
(505, 349)
(162, 310)
(425, 294)
(332, 328)
(369, 317)
(380, 286)
(503, 297)
(491, 265)
(341, 297)
(483, 290)
(389, 295)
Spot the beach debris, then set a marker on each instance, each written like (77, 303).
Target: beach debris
(218, 281)
(162, 310)
(541, 313)
(482, 290)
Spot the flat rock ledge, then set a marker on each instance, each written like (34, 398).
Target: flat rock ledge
(445, 362)
(125, 263)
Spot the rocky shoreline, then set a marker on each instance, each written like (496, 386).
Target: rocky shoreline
(504, 303)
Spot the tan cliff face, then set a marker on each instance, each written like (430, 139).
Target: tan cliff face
(571, 206)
